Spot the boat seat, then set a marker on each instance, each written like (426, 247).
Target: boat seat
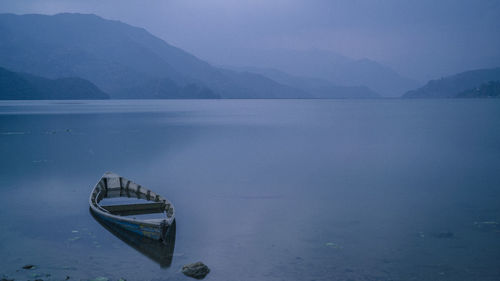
(135, 209)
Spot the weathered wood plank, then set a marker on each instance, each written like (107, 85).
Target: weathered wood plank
(135, 209)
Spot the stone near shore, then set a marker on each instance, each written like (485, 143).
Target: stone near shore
(196, 270)
(28, 266)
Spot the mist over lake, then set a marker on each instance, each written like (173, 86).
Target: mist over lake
(263, 189)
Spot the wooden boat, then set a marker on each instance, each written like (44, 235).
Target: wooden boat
(111, 186)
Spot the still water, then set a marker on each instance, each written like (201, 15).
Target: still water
(263, 189)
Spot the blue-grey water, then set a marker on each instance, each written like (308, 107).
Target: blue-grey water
(263, 189)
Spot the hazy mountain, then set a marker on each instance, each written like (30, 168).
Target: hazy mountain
(338, 69)
(21, 86)
(486, 90)
(315, 87)
(125, 61)
(374, 75)
(452, 86)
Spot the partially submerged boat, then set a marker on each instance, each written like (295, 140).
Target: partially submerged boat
(124, 215)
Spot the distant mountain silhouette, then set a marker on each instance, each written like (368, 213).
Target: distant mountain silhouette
(316, 87)
(374, 75)
(335, 68)
(122, 60)
(459, 85)
(487, 90)
(21, 86)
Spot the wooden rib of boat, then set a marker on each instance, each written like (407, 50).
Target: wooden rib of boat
(112, 185)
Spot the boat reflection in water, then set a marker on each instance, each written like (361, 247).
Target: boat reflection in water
(160, 252)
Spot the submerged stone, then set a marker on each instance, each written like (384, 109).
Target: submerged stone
(28, 266)
(74, 239)
(446, 234)
(487, 226)
(333, 245)
(196, 270)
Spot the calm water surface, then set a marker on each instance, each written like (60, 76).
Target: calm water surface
(263, 190)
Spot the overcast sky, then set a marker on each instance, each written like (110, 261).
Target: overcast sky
(420, 39)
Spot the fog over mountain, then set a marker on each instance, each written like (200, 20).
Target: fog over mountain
(316, 87)
(420, 40)
(124, 61)
(332, 67)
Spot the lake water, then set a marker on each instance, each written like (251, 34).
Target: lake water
(263, 189)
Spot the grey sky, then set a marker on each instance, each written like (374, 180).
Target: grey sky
(421, 39)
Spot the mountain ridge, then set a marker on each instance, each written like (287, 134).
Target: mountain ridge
(121, 59)
(23, 86)
(451, 86)
(326, 65)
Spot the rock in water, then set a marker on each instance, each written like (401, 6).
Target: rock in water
(196, 270)
(446, 234)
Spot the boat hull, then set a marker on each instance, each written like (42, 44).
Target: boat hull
(150, 231)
